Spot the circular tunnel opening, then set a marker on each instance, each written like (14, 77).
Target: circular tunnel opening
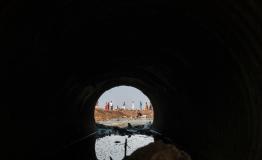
(123, 106)
(123, 116)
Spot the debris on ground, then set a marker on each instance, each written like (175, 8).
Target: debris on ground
(158, 151)
(162, 148)
(146, 129)
(103, 115)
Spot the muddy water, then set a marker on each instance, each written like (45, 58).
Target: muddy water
(114, 146)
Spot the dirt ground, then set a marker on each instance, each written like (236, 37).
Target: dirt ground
(102, 115)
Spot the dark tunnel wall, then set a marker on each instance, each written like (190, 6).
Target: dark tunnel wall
(198, 62)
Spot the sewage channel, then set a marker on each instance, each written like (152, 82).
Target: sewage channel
(116, 147)
(114, 143)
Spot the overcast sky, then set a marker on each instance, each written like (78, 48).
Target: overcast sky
(119, 95)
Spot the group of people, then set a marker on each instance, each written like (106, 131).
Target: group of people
(147, 107)
(110, 107)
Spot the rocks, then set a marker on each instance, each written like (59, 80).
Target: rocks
(162, 149)
(159, 151)
(103, 130)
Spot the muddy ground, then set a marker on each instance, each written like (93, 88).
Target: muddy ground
(102, 115)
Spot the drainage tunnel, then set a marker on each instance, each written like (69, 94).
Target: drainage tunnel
(198, 62)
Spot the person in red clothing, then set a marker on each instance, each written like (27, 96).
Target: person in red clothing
(105, 107)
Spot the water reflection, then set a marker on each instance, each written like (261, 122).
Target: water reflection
(114, 146)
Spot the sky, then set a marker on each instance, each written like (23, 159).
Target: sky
(120, 94)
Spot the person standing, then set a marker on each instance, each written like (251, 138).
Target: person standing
(111, 105)
(124, 105)
(133, 105)
(146, 107)
(105, 106)
(141, 105)
(150, 107)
